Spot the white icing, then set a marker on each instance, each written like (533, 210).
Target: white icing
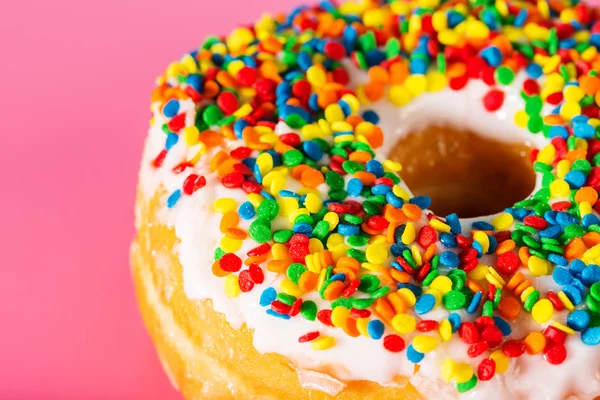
(197, 227)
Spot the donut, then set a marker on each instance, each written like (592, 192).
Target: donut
(390, 200)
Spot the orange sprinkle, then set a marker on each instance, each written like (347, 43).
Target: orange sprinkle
(361, 156)
(308, 281)
(211, 89)
(354, 120)
(394, 214)
(390, 232)
(228, 220)
(350, 328)
(505, 247)
(374, 137)
(386, 277)
(226, 167)
(368, 229)
(298, 170)
(312, 178)
(412, 211)
(475, 286)
(217, 160)
(456, 69)
(514, 281)
(225, 79)
(589, 84)
(218, 271)
(210, 138)
(574, 155)
(524, 255)
(326, 97)
(278, 265)
(379, 74)
(367, 178)
(509, 307)
(588, 194)
(534, 343)
(350, 274)
(256, 259)
(575, 249)
(399, 276)
(429, 252)
(326, 259)
(374, 90)
(521, 288)
(398, 73)
(236, 233)
(384, 309)
(333, 290)
(348, 262)
(591, 239)
(396, 301)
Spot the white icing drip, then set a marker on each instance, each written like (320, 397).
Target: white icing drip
(197, 226)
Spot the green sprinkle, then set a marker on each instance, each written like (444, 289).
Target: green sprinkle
(260, 230)
(293, 157)
(286, 298)
(268, 209)
(308, 310)
(468, 385)
(294, 271)
(334, 180)
(283, 235)
(368, 283)
(531, 300)
(382, 291)
(454, 300)
(358, 240)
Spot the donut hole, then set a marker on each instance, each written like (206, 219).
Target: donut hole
(463, 172)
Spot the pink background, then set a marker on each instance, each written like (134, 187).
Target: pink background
(76, 77)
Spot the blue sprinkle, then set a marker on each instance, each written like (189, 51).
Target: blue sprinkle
(173, 198)
(454, 223)
(534, 70)
(573, 294)
(502, 325)
(575, 179)
(312, 150)
(414, 356)
(417, 290)
(477, 246)
(551, 232)
(338, 277)
(590, 275)
(482, 225)
(267, 195)
(576, 267)
(561, 276)
(578, 320)
(398, 233)
(589, 220)
(519, 22)
(303, 227)
(289, 193)
(375, 167)
(396, 251)
(396, 201)
(564, 219)
(558, 260)
(257, 174)
(474, 303)
(455, 321)
(375, 329)
(276, 314)
(381, 189)
(267, 296)
(354, 187)
(448, 240)
(422, 201)
(493, 244)
(171, 141)
(195, 81)
(558, 131)
(418, 66)
(449, 259)
(492, 55)
(578, 285)
(371, 116)
(425, 304)
(591, 336)
(171, 108)
(246, 210)
(348, 230)
(550, 216)
(579, 119)
(584, 131)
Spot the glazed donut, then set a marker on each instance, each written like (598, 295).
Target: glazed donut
(378, 200)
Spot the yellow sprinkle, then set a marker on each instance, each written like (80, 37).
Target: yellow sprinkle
(542, 311)
(521, 118)
(462, 372)
(334, 113)
(232, 286)
(439, 21)
(191, 135)
(352, 101)
(547, 154)
(570, 109)
(323, 343)
(436, 81)
(313, 203)
(563, 327)
(539, 266)
(439, 225)
(339, 316)
(399, 95)
(573, 93)
(565, 300)
(290, 288)
(483, 239)
(492, 279)
(409, 234)
(445, 330)
(479, 272)
(362, 325)
(448, 368)
(255, 199)
(280, 252)
(424, 343)
(501, 361)
(496, 275)
(404, 323)
(448, 37)
(316, 75)
(315, 245)
(287, 206)
(441, 283)
(224, 205)
(502, 221)
(415, 253)
(559, 188)
(562, 168)
(230, 245)
(377, 253)
(525, 294)
(416, 84)
(408, 296)
(584, 208)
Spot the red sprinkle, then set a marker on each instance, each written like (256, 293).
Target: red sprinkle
(486, 369)
(351, 288)
(230, 263)
(260, 250)
(426, 237)
(325, 317)
(427, 325)
(356, 313)
(477, 349)
(160, 158)
(378, 223)
(555, 335)
(555, 353)
(233, 180)
(308, 337)
(535, 222)
(493, 100)
(295, 308)
(245, 280)
(507, 263)
(468, 333)
(256, 273)
(393, 343)
(513, 348)
(558, 305)
(280, 307)
(492, 335)
(193, 183)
